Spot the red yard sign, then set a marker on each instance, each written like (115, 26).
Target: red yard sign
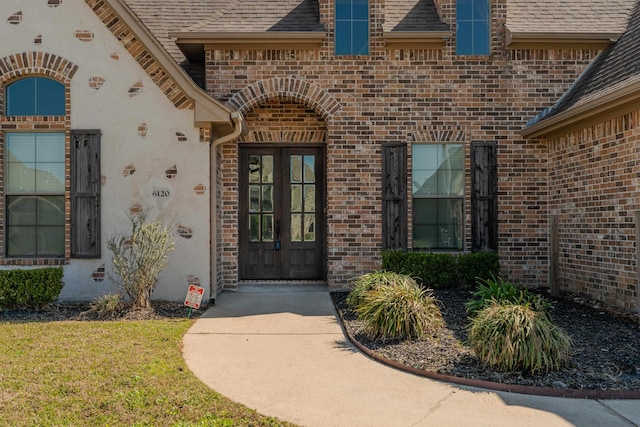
(194, 296)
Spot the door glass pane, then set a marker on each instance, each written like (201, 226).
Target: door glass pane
(309, 227)
(254, 227)
(296, 198)
(296, 168)
(254, 169)
(309, 169)
(267, 228)
(267, 198)
(296, 227)
(254, 198)
(267, 169)
(309, 198)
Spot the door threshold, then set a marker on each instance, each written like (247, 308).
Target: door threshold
(281, 285)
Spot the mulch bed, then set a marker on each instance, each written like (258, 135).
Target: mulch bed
(160, 310)
(606, 346)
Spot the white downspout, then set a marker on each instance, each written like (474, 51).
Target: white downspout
(238, 124)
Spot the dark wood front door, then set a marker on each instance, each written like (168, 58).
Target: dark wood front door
(281, 213)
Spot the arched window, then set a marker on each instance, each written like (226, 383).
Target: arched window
(34, 171)
(35, 96)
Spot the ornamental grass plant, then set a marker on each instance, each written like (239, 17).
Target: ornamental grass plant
(394, 307)
(510, 337)
(497, 290)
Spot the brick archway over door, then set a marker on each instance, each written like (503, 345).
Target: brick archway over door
(286, 88)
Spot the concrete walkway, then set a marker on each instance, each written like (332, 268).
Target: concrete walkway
(282, 352)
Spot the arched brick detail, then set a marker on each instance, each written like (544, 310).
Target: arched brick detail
(36, 63)
(286, 88)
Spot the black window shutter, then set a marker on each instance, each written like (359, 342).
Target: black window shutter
(85, 194)
(484, 196)
(394, 196)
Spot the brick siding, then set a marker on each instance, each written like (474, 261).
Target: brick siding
(391, 96)
(593, 192)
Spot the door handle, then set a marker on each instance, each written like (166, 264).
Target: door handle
(277, 242)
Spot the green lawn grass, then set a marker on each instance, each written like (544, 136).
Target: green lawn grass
(115, 373)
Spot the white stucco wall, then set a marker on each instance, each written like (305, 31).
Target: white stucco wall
(119, 115)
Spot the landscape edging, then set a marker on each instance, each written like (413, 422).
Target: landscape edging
(511, 388)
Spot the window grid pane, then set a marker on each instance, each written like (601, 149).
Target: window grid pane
(472, 27)
(351, 27)
(35, 226)
(36, 96)
(437, 175)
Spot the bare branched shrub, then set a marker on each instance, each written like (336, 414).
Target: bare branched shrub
(139, 256)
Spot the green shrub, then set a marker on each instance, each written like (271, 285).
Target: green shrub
(478, 265)
(513, 337)
(498, 290)
(398, 310)
(432, 270)
(30, 289)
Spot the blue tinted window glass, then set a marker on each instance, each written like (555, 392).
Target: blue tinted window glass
(360, 38)
(480, 38)
(464, 39)
(49, 98)
(343, 38)
(352, 27)
(21, 98)
(35, 96)
(480, 10)
(361, 9)
(343, 9)
(464, 9)
(472, 27)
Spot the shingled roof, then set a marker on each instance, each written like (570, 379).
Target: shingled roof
(265, 15)
(568, 16)
(616, 72)
(412, 15)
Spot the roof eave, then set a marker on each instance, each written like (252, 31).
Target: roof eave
(411, 39)
(623, 99)
(207, 110)
(555, 40)
(193, 44)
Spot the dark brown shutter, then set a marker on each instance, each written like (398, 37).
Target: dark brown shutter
(484, 196)
(85, 194)
(394, 196)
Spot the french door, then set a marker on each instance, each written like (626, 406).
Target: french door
(281, 230)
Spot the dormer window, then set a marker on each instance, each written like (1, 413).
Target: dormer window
(352, 27)
(472, 27)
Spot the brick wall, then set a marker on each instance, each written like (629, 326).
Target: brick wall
(593, 192)
(391, 95)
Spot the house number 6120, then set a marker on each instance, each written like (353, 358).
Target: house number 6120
(161, 193)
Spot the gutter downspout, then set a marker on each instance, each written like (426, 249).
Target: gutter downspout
(239, 127)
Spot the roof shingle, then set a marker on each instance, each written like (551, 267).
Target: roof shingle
(568, 16)
(619, 64)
